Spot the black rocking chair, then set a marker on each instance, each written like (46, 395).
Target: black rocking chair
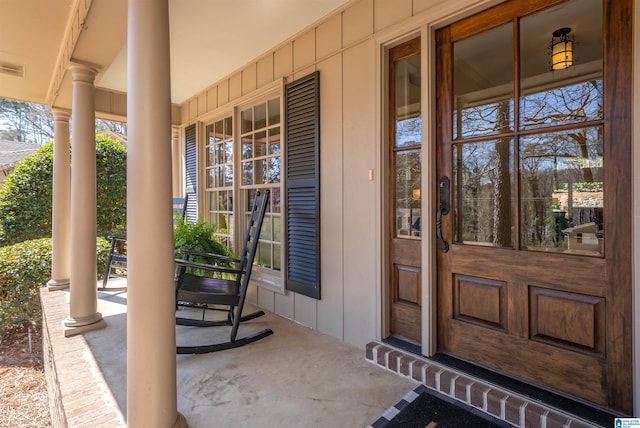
(227, 295)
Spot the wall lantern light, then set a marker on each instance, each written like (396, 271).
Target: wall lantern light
(561, 49)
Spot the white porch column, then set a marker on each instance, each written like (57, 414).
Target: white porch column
(151, 341)
(61, 206)
(83, 303)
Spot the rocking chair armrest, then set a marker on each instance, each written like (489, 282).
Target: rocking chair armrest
(210, 256)
(205, 266)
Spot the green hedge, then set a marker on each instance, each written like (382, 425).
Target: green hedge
(25, 198)
(24, 268)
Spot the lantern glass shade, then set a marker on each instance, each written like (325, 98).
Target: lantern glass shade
(561, 49)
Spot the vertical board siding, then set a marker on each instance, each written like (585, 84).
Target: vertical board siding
(191, 174)
(331, 307)
(359, 242)
(302, 188)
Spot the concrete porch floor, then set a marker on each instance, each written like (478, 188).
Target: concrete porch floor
(296, 377)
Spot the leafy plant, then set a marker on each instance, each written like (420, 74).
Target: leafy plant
(26, 197)
(198, 237)
(24, 268)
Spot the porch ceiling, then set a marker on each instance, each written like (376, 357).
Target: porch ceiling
(209, 40)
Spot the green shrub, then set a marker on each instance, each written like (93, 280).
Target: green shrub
(24, 268)
(111, 177)
(26, 197)
(199, 237)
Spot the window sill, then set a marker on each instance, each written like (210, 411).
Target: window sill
(268, 280)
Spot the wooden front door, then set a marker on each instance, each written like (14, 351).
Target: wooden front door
(534, 136)
(405, 218)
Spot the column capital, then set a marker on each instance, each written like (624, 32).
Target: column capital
(83, 71)
(60, 114)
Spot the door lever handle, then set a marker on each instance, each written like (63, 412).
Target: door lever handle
(444, 246)
(442, 210)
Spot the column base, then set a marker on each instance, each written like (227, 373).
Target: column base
(58, 284)
(73, 326)
(181, 422)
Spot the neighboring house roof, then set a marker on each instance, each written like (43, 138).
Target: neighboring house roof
(11, 152)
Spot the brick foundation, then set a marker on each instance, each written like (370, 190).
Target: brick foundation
(77, 395)
(506, 405)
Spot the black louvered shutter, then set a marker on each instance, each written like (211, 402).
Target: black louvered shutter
(302, 186)
(191, 176)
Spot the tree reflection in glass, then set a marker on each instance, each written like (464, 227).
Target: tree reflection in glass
(562, 199)
(483, 183)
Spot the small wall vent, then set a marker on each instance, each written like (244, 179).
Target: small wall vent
(11, 69)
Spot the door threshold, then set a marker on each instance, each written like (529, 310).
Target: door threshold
(575, 406)
(404, 345)
(500, 396)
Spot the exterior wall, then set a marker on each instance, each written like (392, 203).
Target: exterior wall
(342, 48)
(347, 48)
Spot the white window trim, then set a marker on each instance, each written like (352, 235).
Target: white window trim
(265, 278)
(261, 277)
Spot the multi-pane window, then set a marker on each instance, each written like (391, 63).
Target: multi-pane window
(260, 136)
(268, 254)
(219, 177)
(529, 140)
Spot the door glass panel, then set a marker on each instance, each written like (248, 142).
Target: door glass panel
(408, 214)
(408, 131)
(407, 155)
(483, 84)
(570, 95)
(562, 191)
(407, 89)
(483, 190)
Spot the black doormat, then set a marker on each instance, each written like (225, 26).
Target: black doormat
(424, 408)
